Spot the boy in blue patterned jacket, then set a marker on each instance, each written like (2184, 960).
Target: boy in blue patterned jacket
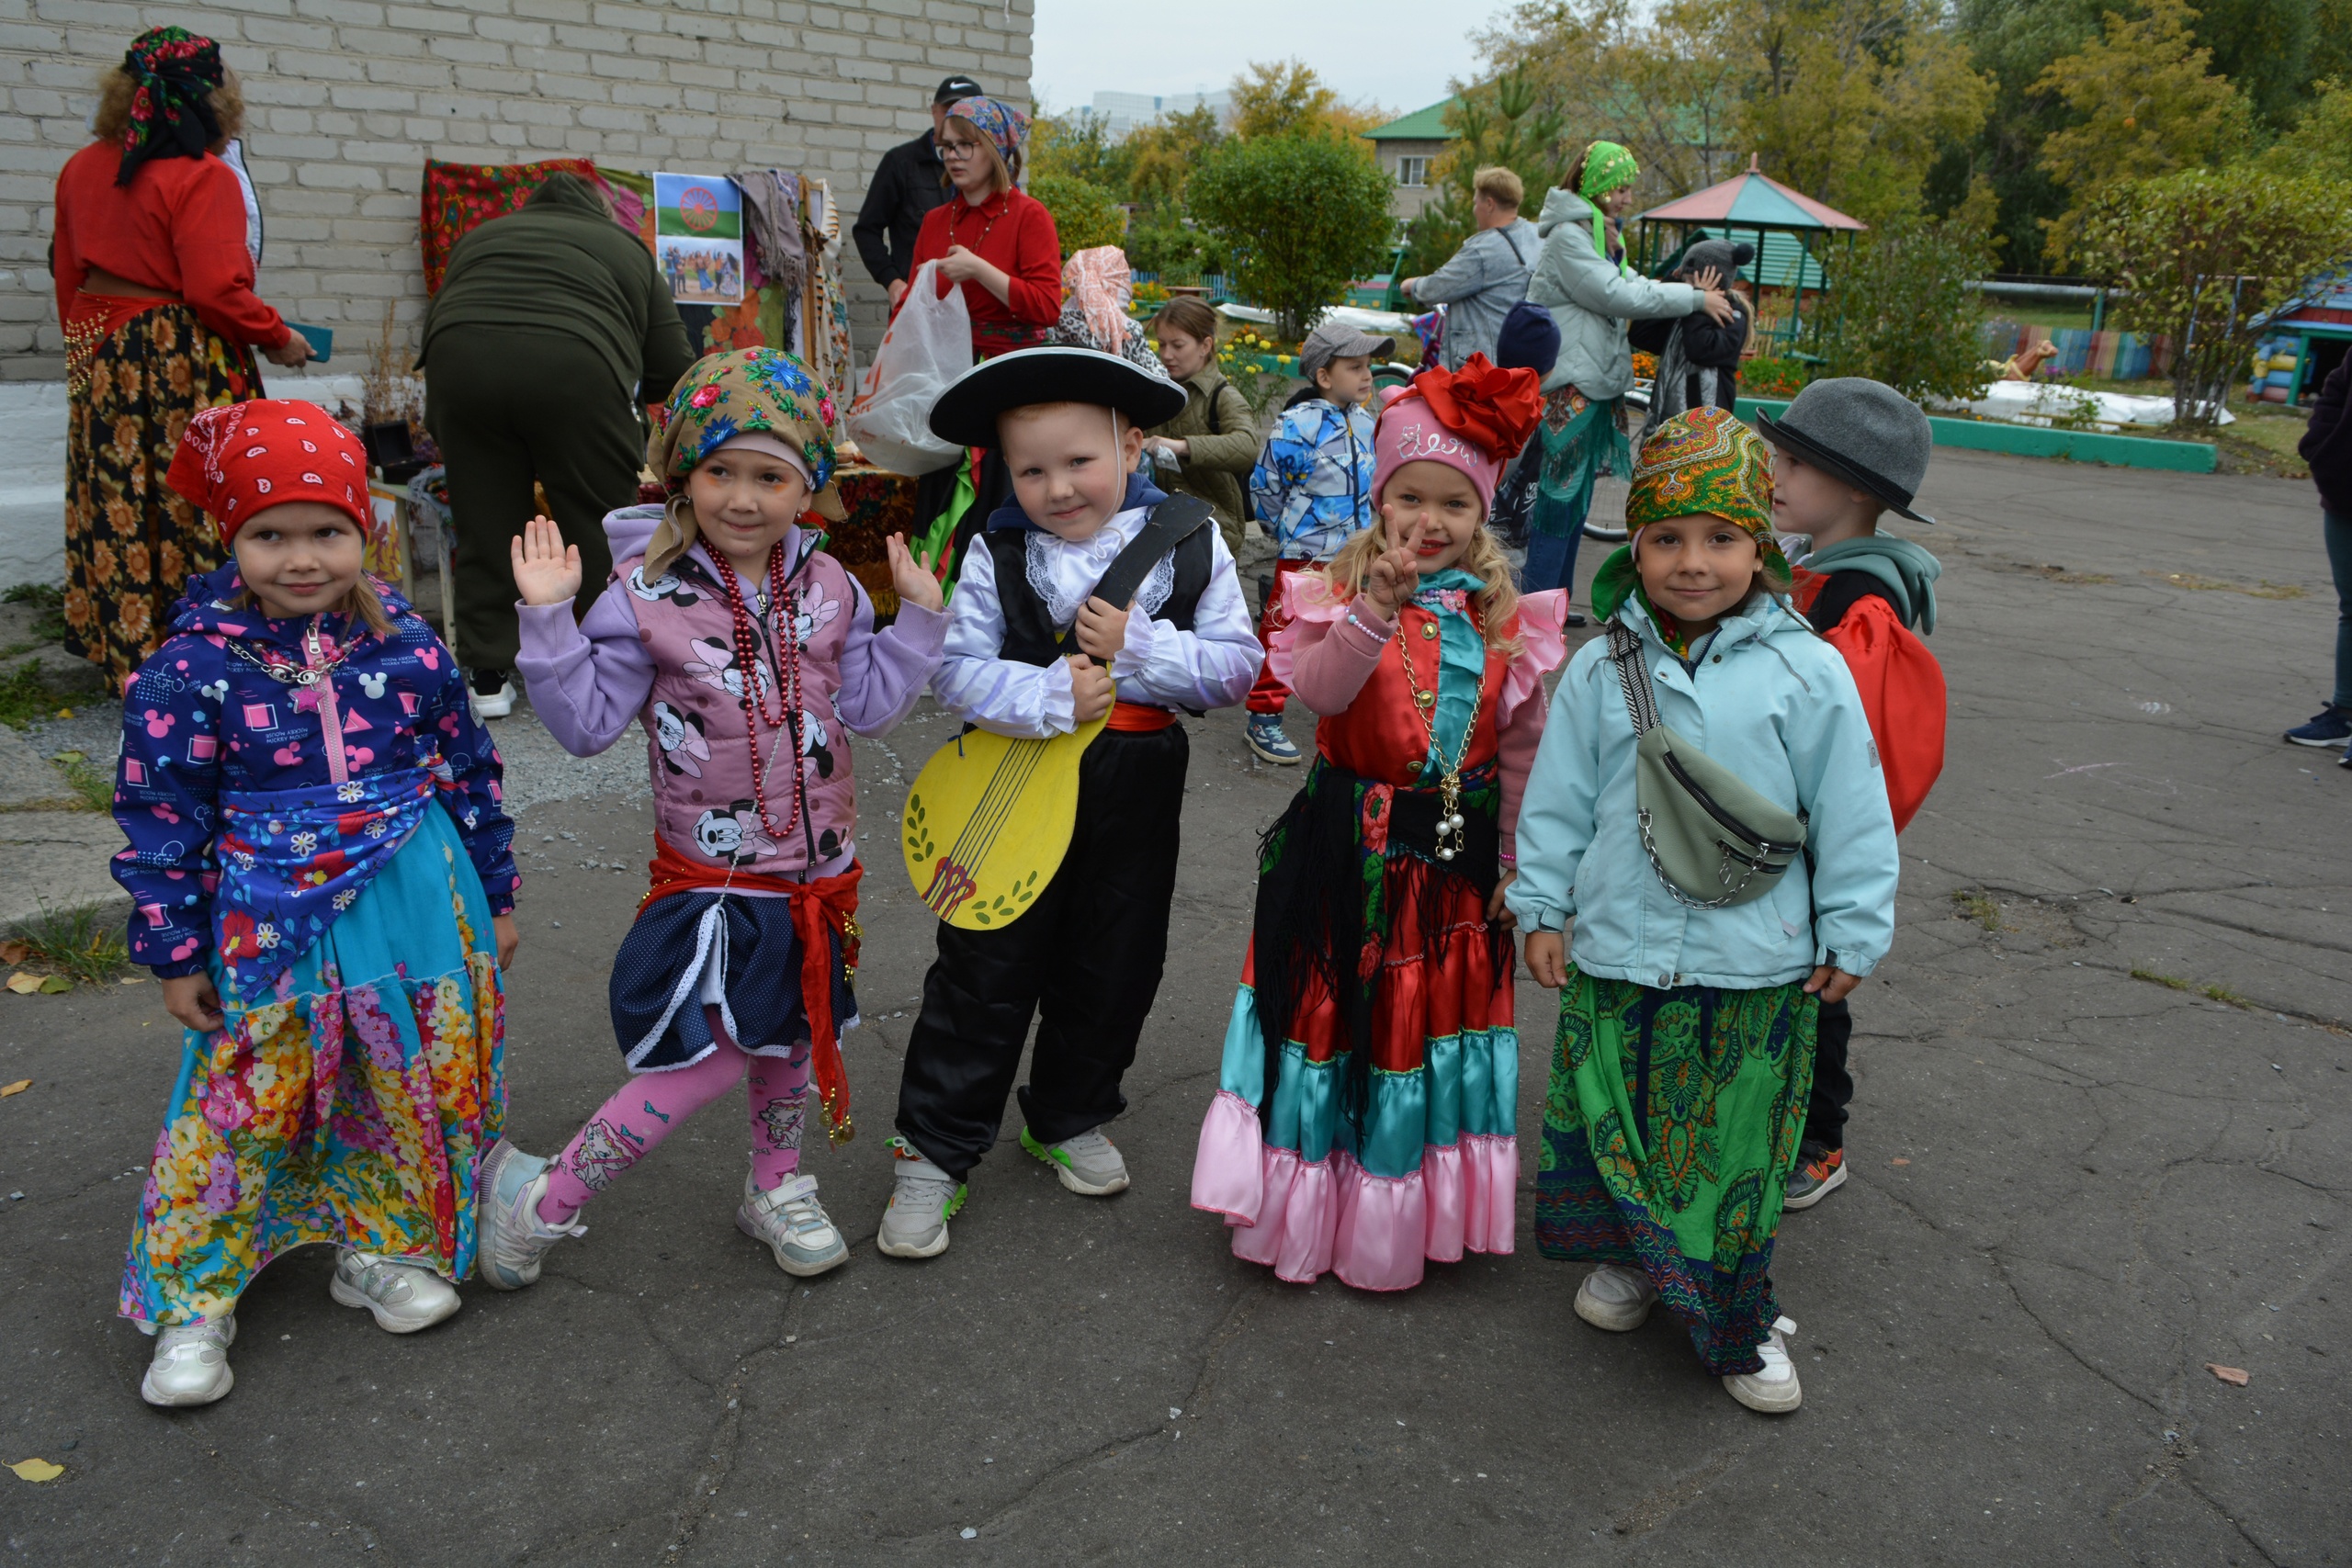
(1312, 489)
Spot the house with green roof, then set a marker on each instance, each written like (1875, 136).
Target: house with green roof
(1407, 151)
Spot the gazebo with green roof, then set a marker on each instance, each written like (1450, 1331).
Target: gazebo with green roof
(1783, 222)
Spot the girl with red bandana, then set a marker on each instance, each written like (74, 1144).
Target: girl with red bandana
(320, 877)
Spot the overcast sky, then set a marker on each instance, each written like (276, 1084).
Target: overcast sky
(1393, 52)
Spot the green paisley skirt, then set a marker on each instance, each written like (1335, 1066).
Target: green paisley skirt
(1670, 1127)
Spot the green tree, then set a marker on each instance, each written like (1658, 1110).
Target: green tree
(2147, 103)
(2264, 46)
(1080, 149)
(2322, 140)
(1854, 100)
(1501, 123)
(1301, 215)
(1287, 98)
(1084, 214)
(1902, 308)
(2200, 254)
(1163, 155)
(2013, 42)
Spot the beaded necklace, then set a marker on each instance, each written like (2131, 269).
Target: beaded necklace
(783, 610)
(960, 206)
(1449, 784)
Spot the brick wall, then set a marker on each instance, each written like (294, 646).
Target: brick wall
(348, 98)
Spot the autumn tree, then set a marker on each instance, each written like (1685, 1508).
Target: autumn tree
(2147, 103)
(1287, 98)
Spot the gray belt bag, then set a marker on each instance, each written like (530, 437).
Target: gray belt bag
(1712, 840)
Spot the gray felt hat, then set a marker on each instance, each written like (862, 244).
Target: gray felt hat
(1865, 432)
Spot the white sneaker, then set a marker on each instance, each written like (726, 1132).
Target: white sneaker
(1088, 1165)
(509, 1236)
(1774, 1389)
(923, 1200)
(496, 703)
(191, 1362)
(795, 1226)
(404, 1296)
(1616, 1298)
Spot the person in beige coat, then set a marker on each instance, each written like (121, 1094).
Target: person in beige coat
(1212, 446)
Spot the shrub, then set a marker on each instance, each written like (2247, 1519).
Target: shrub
(1900, 308)
(1302, 215)
(1765, 376)
(1084, 214)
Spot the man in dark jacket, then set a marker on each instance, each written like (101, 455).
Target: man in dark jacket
(2327, 448)
(910, 183)
(550, 320)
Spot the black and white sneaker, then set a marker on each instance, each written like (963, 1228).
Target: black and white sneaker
(492, 694)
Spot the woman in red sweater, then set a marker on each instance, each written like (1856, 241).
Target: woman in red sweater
(155, 291)
(997, 242)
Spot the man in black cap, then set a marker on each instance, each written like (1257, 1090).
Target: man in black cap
(911, 181)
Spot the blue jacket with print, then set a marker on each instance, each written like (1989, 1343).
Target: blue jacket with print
(1313, 483)
(199, 719)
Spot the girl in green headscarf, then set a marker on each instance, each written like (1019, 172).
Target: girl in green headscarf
(1582, 279)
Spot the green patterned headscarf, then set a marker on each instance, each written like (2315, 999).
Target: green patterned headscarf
(725, 397)
(1701, 462)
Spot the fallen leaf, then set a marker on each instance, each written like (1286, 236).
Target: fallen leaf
(133, 980)
(1898, 1160)
(56, 985)
(17, 1087)
(14, 952)
(2235, 1376)
(37, 1470)
(24, 985)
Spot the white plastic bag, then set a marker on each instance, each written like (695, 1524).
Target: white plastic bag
(927, 346)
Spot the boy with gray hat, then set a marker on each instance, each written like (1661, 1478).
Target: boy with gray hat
(1846, 451)
(1313, 491)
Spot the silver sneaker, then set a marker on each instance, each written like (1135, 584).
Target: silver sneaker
(1088, 1165)
(1616, 1298)
(795, 1226)
(923, 1200)
(1774, 1389)
(403, 1296)
(191, 1362)
(508, 1233)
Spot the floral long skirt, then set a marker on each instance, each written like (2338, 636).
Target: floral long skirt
(130, 542)
(351, 1108)
(1670, 1129)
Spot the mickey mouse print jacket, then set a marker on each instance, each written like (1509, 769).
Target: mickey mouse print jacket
(661, 653)
(257, 807)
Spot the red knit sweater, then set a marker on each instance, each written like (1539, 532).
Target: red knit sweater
(1013, 231)
(178, 229)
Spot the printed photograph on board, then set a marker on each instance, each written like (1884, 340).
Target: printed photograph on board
(698, 237)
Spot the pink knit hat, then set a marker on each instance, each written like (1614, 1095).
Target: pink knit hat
(1472, 420)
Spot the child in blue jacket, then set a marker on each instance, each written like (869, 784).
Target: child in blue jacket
(1679, 1082)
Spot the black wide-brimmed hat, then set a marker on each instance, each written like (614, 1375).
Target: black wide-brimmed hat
(1864, 432)
(966, 411)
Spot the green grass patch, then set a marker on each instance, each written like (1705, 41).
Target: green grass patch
(25, 695)
(84, 946)
(2211, 993)
(1975, 904)
(94, 788)
(49, 600)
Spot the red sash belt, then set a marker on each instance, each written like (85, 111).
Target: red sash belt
(820, 909)
(1138, 718)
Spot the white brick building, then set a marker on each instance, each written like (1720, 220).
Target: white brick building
(348, 98)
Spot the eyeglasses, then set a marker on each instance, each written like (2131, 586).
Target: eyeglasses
(960, 149)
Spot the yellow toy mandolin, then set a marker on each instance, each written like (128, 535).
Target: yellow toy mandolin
(988, 819)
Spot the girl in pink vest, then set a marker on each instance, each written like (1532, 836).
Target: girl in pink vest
(744, 651)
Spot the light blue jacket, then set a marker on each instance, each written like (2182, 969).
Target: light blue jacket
(1773, 703)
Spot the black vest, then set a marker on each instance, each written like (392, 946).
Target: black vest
(1030, 636)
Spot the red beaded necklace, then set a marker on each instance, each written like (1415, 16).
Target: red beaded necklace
(782, 608)
(960, 206)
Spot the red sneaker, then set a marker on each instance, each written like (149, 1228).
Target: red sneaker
(1819, 1173)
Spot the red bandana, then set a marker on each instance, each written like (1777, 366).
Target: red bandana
(244, 458)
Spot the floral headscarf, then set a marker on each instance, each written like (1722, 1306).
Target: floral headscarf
(739, 392)
(1701, 462)
(1003, 125)
(171, 112)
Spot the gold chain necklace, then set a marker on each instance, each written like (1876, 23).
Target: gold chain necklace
(1449, 784)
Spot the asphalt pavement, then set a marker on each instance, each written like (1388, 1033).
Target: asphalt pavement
(2099, 1144)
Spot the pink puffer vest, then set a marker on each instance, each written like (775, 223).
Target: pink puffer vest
(704, 806)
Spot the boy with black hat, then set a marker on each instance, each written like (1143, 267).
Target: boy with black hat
(1845, 452)
(1090, 594)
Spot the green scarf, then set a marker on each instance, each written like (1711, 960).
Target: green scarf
(1607, 166)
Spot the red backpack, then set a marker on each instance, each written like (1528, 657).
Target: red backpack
(1897, 676)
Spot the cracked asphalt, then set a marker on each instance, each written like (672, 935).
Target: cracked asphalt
(2101, 1141)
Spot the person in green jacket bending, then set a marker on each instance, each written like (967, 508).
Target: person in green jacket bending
(552, 324)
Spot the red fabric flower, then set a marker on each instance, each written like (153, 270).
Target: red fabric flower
(242, 458)
(1491, 408)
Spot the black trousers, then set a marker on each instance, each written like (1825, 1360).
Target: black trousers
(507, 409)
(1084, 961)
(1833, 1086)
